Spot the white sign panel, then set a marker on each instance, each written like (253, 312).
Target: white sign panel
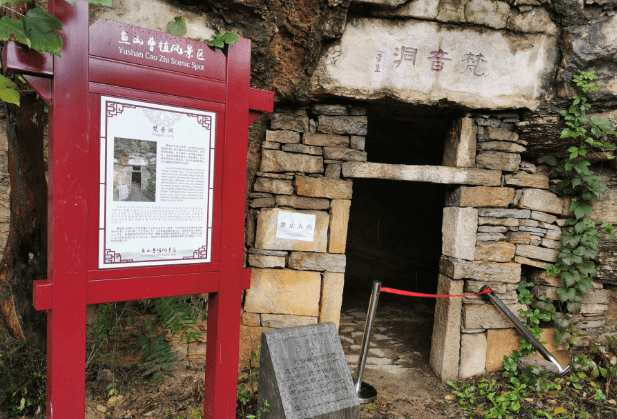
(157, 166)
(296, 226)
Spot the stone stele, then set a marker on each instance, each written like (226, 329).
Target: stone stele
(437, 64)
(303, 374)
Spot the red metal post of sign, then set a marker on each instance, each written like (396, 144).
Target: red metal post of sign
(89, 68)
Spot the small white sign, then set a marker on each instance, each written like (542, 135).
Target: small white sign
(296, 226)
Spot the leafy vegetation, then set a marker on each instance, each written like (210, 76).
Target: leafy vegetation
(178, 27)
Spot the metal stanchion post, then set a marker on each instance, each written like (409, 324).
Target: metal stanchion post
(525, 332)
(366, 392)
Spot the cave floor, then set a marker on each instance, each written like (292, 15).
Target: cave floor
(398, 361)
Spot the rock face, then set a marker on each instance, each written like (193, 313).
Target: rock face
(419, 61)
(459, 232)
(280, 161)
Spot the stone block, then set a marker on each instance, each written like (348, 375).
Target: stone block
(260, 261)
(540, 277)
(326, 140)
(545, 201)
(493, 221)
(504, 213)
(301, 148)
(275, 175)
(533, 230)
(322, 187)
(430, 174)
(339, 219)
(351, 125)
(490, 237)
(492, 229)
(331, 297)
(459, 229)
(504, 85)
(481, 271)
(263, 203)
(519, 237)
(551, 244)
(301, 202)
(325, 109)
(268, 252)
(289, 121)
(358, 142)
(283, 291)
(473, 355)
(495, 251)
(534, 252)
(498, 160)
(505, 146)
(344, 154)
(280, 161)
(250, 337)
(553, 235)
(480, 196)
(275, 186)
(357, 110)
(594, 308)
(265, 237)
(487, 316)
(309, 261)
(496, 287)
(500, 134)
(526, 180)
(268, 145)
(251, 319)
(288, 137)
(531, 262)
(460, 146)
(333, 171)
(280, 321)
(445, 343)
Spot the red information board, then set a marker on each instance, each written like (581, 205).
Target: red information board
(165, 220)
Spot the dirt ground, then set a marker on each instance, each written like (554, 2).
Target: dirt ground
(397, 367)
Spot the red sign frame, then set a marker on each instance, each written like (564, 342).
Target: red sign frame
(88, 69)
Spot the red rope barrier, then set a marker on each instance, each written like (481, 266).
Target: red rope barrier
(418, 294)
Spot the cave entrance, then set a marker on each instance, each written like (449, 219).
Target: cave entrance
(394, 234)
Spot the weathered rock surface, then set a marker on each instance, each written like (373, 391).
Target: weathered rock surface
(308, 261)
(351, 125)
(481, 271)
(301, 202)
(358, 142)
(534, 252)
(325, 140)
(431, 174)
(518, 78)
(284, 291)
(275, 186)
(280, 321)
(331, 297)
(283, 136)
(500, 134)
(527, 180)
(445, 343)
(289, 121)
(504, 213)
(321, 187)
(343, 154)
(473, 355)
(339, 220)
(487, 316)
(459, 232)
(301, 148)
(481, 196)
(280, 161)
(505, 146)
(495, 252)
(540, 200)
(460, 146)
(498, 160)
(260, 261)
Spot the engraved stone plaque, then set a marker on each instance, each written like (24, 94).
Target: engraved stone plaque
(303, 374)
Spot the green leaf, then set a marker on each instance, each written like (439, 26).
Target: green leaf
(550, 160)
(8, 91)
(177, 26)
(223, 38)
(15, 27)
(38, 27)
(105, 3)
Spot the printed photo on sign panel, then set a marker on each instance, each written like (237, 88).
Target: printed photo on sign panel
(134, 170)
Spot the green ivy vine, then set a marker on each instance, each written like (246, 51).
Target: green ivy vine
(178, 27)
